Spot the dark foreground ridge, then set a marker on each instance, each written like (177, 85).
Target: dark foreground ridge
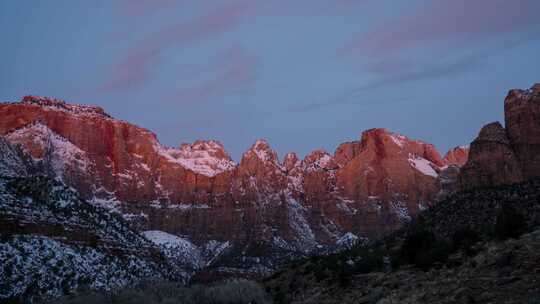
(478, 246)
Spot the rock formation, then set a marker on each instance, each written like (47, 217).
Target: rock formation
(507, 155)
(457, 156)
(366, 188)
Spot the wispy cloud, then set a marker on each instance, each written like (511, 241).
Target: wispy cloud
(345, 98)
(236, 69)
(362, 92)
(455, 20)
(430, 72)
(137, 8)
(135, 67)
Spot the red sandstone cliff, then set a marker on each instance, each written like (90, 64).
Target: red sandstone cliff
(457, 156)
(368, 187)
(507, 155)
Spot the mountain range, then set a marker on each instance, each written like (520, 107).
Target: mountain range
(214, 218)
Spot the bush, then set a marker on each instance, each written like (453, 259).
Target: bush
(233, 292)
(230, 292)
(464, 239)
(422, 249)
(509, 223)
(340, 267)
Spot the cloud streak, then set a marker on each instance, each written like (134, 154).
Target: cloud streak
(137, 8)
(455, 20)
(237, 69)
(432, 72)
(135, 68)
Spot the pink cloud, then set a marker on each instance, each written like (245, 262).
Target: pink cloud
(236, 70)
(454, 20)
(131, 71)
(137, 8)
(136, 67)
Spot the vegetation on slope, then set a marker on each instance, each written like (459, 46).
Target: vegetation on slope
(230, 292)
(475, 239)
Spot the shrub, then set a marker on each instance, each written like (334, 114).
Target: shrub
(509, 223)
(422, 249)
(230, 292)
(464, 239)
(368, 260)
(340, 267)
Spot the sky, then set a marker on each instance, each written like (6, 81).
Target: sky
(303, 74)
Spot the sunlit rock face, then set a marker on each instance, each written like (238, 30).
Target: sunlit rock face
(367, 187)
(457, 156)
(510, 154)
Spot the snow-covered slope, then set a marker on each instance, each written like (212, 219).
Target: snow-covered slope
(184, 253)
(204, 157)
(11, 160)
(52, 242)
(46, 145)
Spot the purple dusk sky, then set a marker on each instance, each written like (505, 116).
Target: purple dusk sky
(302, 74)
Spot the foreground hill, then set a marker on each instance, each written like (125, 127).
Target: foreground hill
(52, 242)
(479, 246)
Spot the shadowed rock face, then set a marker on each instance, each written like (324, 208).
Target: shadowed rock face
(522, 119)
(492, 160)
(507, 155)
(368, 187)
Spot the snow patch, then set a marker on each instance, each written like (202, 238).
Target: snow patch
(401, 210)
(348, 240)
(298, 222)
(189, 206)
(167, 240)
(422, 165)
(398, 139)
(201, 157)
(178, 249)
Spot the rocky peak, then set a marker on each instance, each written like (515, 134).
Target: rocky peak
(346, 152)
(57, 104)
(211, 148)
(493, 132)
(290, 161)
(457, 156)
(522, 120)
(383, 137)
(208, 158)
(319, 159)
(492, 160)
(261, 151)
(384, 143)
(517, 95)
(261, 163)
(430, 153)
(376, 141)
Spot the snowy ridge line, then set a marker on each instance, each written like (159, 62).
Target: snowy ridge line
(200, 157)
(61, 105)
